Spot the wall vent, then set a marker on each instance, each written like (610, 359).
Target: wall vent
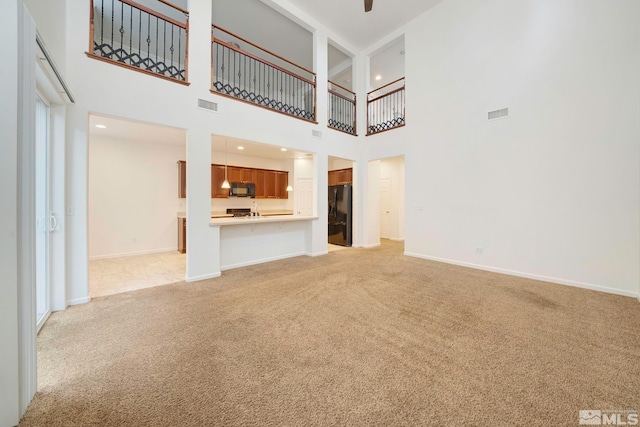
(496, 114)
(316, 133)
(207, 105)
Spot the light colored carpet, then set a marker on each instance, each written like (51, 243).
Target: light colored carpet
(357, 337)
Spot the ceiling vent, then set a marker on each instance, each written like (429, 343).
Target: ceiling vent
(207, 105)
(316, 133)
(497, 114)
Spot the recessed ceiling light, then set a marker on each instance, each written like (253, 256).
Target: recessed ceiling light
(378, 77)
(240, 147)
(101, 126)
(283, 149)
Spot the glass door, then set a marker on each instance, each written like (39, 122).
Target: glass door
(46, 221)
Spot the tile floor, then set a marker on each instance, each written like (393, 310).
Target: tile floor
(115, 275)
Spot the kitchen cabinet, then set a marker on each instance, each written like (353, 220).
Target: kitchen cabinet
(270, 184)
(261, 192)
(217, 178)
(341, 176)
(282, 180)
(182, 179)
(239, 174)
(182, 235)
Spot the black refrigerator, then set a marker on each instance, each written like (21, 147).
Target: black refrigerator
(340, 214)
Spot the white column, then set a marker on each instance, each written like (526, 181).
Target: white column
(9, 387)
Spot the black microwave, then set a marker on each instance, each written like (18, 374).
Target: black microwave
(242, 189)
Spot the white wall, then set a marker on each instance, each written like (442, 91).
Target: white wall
(50, 17)
(133, 196)
(9, 366)
(552, 191)
(337, 163)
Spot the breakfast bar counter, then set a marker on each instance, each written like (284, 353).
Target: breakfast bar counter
(252, 220)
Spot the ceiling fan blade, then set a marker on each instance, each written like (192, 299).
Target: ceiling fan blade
(368, 4)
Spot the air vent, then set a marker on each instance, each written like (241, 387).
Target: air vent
(207, 105)
(316, 133)
(496, 114)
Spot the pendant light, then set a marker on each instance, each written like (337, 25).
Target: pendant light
(225, 183)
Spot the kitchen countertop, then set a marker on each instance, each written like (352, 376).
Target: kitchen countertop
(220, 214)
(263, 218)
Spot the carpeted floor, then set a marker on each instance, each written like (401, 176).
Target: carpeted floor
(357, 337)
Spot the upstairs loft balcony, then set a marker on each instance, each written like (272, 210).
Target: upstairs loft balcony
(342, 109)
(150, 40)
(245, 71)
(154, 40)
(385, 107)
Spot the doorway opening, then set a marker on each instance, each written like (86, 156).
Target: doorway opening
(340, 195)
(133, 205)
(387, 199)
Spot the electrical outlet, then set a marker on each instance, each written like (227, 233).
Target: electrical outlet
(479, 251)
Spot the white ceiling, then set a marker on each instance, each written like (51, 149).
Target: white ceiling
(130, 130)
(220, 143)
(135, 131)
(349, 20)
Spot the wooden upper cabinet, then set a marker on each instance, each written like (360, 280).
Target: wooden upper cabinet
(260, 184)
(282, 180)
(341, 176)
(238, 174)
(217, 178)
(182, 179)
(270, 185)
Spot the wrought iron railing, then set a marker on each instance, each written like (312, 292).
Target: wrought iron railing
(342, 108)
(253, 74)
(152, 40)
(385, 107)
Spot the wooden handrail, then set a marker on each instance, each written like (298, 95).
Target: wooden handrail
(339, 95)
(386, 94)
(186, 12)
(387, 85)
(154, 13)
(342, 87)
(259, 47)
(257, 58)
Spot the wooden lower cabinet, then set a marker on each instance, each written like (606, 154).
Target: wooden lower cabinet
(182, 235)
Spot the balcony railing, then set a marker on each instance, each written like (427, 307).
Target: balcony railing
(385, 107)
(342, 109)
(253, 74)
(129, 34)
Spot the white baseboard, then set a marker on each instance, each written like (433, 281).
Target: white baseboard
(125, 254)
(529, 275)
(396, 239)
(261, 261)
(316, 253)
(203, 277)
(76, 301)
(372, 245)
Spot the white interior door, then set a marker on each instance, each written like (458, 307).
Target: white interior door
(304, 196)
(45, 220)
(385, 208)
